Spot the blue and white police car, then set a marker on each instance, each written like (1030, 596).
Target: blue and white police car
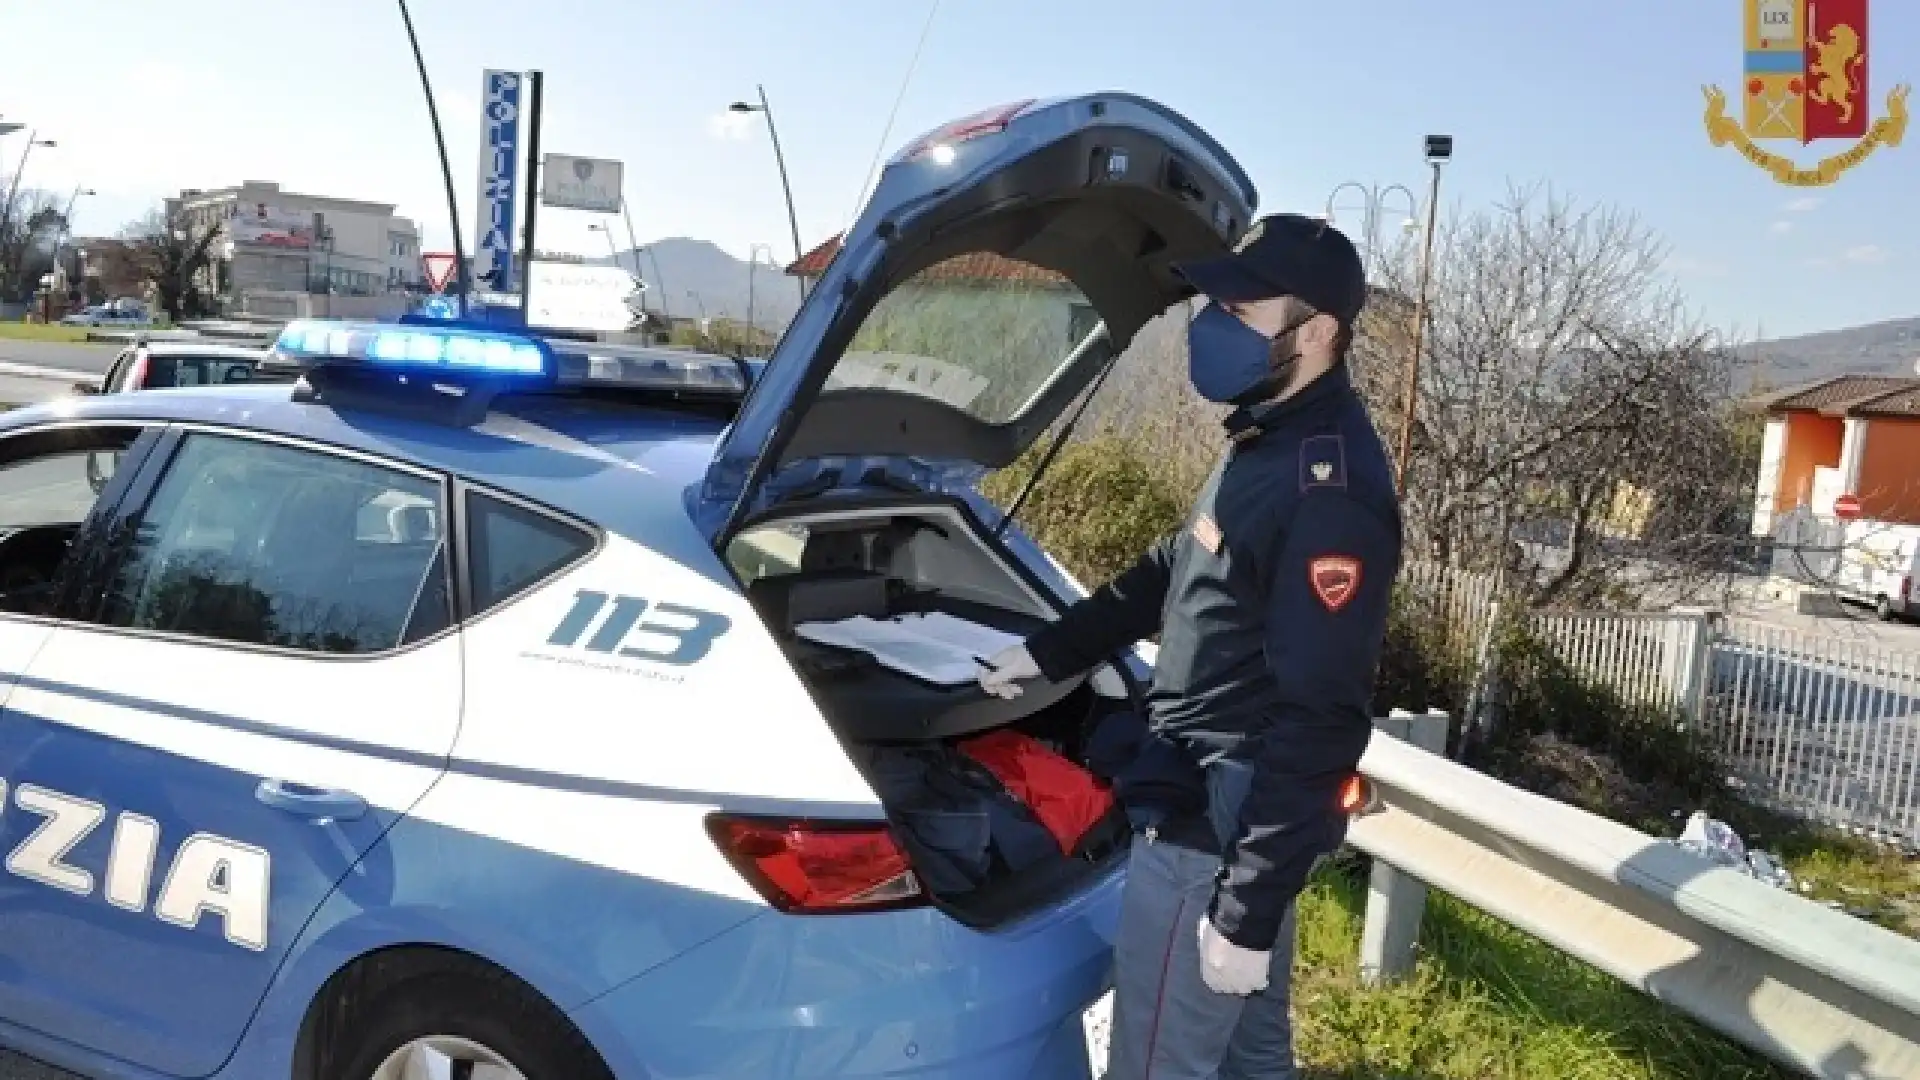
(491, 704)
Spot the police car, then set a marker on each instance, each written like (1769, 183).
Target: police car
(490, 704)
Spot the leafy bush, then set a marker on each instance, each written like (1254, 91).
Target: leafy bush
(1100, 505)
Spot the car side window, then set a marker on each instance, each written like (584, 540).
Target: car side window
(264, 544)
(513, 548)
(49, 484)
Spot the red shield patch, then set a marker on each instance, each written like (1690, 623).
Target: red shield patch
(1335, 578)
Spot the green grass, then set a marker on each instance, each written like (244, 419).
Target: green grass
(1486, 1002)
(1874, 882)
(23, 331)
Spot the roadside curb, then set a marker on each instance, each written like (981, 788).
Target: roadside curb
(35, 371)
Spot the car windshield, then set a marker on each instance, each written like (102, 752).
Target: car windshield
(980, 332)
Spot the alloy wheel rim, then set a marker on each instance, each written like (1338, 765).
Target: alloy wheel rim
(445, 1057)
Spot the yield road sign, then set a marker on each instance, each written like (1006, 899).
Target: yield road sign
(438, 266)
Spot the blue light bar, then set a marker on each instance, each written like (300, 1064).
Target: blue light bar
(451, 350)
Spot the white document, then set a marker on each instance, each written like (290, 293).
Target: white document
(935, 647)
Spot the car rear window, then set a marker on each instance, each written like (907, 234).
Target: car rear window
(981, 332)
(513, 548)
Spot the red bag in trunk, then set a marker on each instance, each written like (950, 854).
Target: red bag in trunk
(1066, 798)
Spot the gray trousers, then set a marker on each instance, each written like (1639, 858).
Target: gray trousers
(1167, 1024)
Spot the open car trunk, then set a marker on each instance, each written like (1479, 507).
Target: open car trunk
(993, 800)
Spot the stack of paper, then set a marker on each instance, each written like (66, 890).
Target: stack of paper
(935, 647)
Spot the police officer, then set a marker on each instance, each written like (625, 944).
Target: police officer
(1271, 605)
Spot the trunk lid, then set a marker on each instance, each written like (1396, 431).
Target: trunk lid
(1003, 261)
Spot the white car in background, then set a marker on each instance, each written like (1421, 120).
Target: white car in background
(107, 316)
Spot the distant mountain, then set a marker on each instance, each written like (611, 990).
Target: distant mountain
(1883, 348)
(697, 278)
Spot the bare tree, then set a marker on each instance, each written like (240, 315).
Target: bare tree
(174, 254)
(1572, 432)
(27, 240)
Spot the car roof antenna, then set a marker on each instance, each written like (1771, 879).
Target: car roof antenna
(1061, 437)
(461, 284)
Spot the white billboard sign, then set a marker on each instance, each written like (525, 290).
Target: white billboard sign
(270, 226)
(499, 158)
(575, 296)
(578, 183)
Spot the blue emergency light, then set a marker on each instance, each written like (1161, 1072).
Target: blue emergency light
(446, 350)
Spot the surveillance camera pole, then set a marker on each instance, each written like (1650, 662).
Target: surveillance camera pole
(1412, 396)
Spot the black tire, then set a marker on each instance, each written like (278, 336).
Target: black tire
(466, 1000)
(1883, 607)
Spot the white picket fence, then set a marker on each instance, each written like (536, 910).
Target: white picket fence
(1823, 727)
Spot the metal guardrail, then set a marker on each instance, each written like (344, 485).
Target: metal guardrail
(1811, 988)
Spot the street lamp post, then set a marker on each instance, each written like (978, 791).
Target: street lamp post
(786, 186)
(1439, 152)
(13, 189)
(611, 252)
(1372, 215)
(753, 274)
(66, 226)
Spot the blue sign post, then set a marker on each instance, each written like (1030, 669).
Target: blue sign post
(499, 160)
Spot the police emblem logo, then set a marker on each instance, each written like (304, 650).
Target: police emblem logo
(1322, 471)
(1205, 531)
(1805, 80)
(1335, 579)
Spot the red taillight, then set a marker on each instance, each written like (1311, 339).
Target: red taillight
(1357, 796)
(985, 122)
(1906, 588)
(814, 867)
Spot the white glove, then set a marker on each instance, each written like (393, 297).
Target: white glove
(1227, 968)
(1000, 677)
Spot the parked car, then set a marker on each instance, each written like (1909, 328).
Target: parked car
(463, 709)
(107, 317)
(155, 365)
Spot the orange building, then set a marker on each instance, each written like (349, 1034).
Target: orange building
(1853, 435)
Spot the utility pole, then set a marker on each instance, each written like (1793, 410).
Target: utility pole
(1439, 150)
(634, 243)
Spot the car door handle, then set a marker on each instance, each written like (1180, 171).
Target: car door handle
(320, 804)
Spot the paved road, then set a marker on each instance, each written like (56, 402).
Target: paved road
(89, 359)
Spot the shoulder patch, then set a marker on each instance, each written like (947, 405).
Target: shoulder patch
(1323, 462)
(1335, 579)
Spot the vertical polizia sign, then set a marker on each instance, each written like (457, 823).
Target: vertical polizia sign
(499, 156)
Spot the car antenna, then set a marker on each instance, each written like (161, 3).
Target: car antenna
(1065, 432)
(462, 284)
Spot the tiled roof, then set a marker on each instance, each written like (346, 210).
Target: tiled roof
(973, 266)
(1838, 396)
(1904, 402)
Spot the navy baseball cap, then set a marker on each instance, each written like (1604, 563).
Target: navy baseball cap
(1287, 255)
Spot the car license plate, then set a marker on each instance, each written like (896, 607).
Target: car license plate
(1097, 1022)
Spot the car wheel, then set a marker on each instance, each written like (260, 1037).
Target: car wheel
(1883, 608)
(478, 1024)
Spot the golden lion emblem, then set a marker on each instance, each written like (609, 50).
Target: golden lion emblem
(1836, 69)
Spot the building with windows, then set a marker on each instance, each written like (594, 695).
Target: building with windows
(280, 250)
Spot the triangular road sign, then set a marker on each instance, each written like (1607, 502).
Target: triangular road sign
(438, 266)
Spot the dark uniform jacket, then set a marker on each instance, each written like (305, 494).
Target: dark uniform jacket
(1271, 605)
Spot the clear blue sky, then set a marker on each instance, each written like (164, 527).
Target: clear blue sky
(1601, 100)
